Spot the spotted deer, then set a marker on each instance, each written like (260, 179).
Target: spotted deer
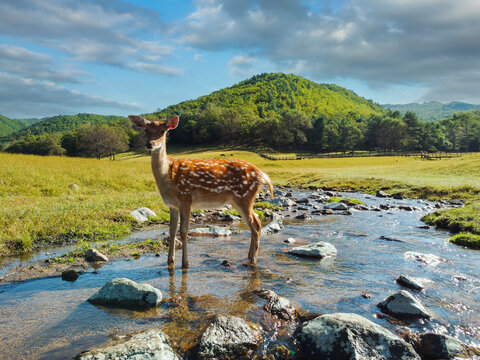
(186, 183)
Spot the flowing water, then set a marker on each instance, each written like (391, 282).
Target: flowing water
(51, 319)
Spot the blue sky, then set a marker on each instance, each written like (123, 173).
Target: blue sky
(129, 57)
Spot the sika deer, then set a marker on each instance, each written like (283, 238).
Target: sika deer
(184, 183)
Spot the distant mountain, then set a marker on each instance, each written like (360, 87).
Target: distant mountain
(433, 110)
(61, 123)
(279, 92)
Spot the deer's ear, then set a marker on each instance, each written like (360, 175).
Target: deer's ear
(172, 122)
(138, 120)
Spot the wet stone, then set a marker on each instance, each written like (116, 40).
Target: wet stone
(403, 304)
(70, 275)
(336, 206)
(303, 217)
(318, 250)
(409, 282)
(439, 346)
(351, 336)
(95, 255)
(210, 231)
(126, 293)
(277, 305)
(151, 344)
(228, 337)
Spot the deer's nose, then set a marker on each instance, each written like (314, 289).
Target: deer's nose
(149, 145)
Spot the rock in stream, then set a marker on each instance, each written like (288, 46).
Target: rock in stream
(126, 293)
(351, 336)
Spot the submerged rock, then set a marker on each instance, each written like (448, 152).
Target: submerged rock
(351, 336)
(318, 250)
(123, 292)
(410, 282)
(228, 337)
(277, 305)
(274, 226)
(427, 259)
(151, 344)
(143, 214)
(95, 255)
(403, 304)
(210, 231)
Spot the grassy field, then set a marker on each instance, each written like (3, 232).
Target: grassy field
(39, 206)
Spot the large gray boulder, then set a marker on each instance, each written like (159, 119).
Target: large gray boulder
(318, 250)
(148, 345)
(143, 214)
(351, 336)
(123, 292)
(228, 337)
(274, 226)
(403, 304)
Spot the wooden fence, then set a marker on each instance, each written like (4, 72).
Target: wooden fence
(422, 155)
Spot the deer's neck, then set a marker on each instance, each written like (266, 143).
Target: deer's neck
(160, 165)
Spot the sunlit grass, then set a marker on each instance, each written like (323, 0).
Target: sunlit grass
(39, 206)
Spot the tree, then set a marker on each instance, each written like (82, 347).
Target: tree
(100, 141)
(349, 134)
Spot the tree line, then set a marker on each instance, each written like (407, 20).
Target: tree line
(293, 130)
(289, 130)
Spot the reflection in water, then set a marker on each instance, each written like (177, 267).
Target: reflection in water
(50, 318)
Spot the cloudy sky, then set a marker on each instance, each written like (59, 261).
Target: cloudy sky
(123, 57)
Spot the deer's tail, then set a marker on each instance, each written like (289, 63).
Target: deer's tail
(266, 180)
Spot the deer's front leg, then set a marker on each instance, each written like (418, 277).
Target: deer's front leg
(173, 232)
(184, 222)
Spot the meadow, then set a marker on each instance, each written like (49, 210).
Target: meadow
(40, 206)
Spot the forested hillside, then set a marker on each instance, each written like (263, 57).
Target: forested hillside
(62, 123)
(9, 126)
(433, 110)
(270, 109)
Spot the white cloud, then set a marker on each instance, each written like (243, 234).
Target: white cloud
(429, 43)
(27, 97)
(105, 32)
(18, 60)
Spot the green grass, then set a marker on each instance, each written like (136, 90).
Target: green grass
(468, 240)
(333, 199)
(38, 207)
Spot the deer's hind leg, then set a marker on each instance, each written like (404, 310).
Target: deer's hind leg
(253, 222)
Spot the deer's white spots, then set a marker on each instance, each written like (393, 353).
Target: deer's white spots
(245, 182)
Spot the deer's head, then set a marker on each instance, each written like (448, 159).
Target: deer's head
(155, 131)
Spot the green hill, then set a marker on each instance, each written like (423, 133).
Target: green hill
(433, 110)
(9, 126)
(279, 92)
(62, 123)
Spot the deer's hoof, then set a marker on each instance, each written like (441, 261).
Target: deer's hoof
(185, 265)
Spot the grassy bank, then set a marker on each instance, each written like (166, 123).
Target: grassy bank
(39, 206)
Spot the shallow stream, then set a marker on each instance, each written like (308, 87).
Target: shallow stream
(51, 319)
